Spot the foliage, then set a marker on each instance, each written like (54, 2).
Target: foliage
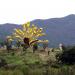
(8, 45)
(68, 56)
(31, 64)
(45, 45)
(28, 34)
(18, 44)
(35, 47)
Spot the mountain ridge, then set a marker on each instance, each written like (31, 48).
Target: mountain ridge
(58, 30)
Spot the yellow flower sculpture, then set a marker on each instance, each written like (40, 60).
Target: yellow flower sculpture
(28, 34)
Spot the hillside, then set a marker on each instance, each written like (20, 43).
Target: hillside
(58, 30)
(7, 29)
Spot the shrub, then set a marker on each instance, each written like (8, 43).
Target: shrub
(68, 56)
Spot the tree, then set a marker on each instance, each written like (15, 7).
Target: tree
(2, 44)
(68, 56)
(8, 44)
(35, 47)
(45, 44)
(28, 34)
(18, 44)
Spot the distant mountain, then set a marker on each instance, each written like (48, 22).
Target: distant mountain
(7, 29)
(58, 30)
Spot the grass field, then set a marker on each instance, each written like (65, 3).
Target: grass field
(29, 63)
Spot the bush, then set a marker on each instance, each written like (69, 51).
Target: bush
(2, 62)
(68, 56)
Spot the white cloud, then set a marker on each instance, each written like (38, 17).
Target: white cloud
(21, 11)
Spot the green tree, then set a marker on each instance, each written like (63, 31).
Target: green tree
(68, 56)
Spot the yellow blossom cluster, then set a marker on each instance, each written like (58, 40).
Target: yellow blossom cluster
(31, 32)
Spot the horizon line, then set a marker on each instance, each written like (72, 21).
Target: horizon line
(37, 19)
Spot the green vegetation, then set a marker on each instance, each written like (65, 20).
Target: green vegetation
(29, 59)
(68, 55)
(29, 63)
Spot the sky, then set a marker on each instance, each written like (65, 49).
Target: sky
(22, 11)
